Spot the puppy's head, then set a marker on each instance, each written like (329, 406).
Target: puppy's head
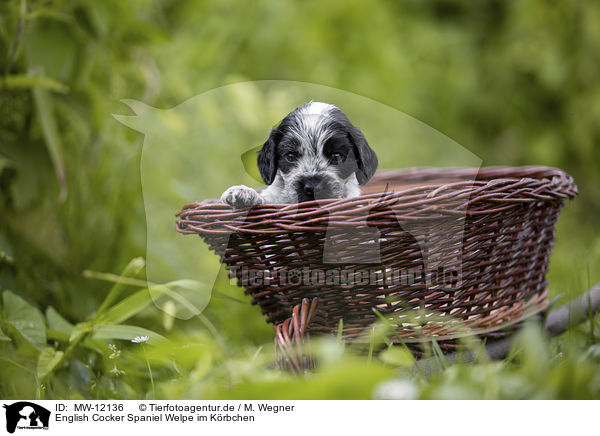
(315, 153)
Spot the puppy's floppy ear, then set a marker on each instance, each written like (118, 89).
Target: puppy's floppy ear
(366, 158)
(267, 157)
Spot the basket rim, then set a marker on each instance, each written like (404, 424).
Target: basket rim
(472, 191)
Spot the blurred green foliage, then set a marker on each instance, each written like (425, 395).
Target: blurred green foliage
(515, 82)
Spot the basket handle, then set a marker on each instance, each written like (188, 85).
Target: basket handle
(291, 337)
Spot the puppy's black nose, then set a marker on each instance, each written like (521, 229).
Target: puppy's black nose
(309, 186)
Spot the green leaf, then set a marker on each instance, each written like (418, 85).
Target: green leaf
(133, 268)
(29, 81)
(43, 102)
(79, 330)
(47, 12)
(188, 296)
(127, 308)
(57, 322)
(249, 162)
(3, 336)
(55, 335)
(24, 318)
(126, 332)
(169, 310)
(397, 356)
(47, 361)
(92, 344)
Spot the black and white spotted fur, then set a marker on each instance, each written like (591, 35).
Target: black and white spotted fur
(314, 153)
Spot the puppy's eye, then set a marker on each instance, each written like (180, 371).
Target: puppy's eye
(290, 157)
(337, 158)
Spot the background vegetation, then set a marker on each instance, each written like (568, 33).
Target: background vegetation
(515, 82)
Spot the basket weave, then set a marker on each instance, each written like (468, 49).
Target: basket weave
(495, 225)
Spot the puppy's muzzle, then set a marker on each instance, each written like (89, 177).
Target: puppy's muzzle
(313, 188)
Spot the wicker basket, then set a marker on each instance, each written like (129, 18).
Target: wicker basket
(480, 237)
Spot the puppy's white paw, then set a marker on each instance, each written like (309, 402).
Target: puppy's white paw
(241, 196)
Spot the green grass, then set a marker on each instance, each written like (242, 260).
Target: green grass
(45, 356)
